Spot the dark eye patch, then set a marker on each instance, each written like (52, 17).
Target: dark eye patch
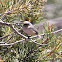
(26, 24)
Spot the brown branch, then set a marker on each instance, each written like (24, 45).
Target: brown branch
(53, 50)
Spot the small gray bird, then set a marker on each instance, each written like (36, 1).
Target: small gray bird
(29, 29)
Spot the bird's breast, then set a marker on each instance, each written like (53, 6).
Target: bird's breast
(29, 31)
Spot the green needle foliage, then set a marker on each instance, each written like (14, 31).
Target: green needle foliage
(27, 10)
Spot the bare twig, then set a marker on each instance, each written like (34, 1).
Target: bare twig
(18, 32)
(30, 52)
(5, 23)
(8, 39)
(46, 34)
(10, 25)
(7, 35)
(39, 43)
(23, 40)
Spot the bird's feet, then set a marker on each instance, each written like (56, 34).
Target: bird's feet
(29, 37)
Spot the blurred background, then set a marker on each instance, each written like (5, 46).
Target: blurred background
(52, 14)
(54, 9)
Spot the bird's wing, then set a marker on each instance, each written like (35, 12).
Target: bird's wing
(33, 28)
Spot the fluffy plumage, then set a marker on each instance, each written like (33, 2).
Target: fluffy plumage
(29, 29)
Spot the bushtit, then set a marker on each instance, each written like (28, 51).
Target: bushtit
(29, 29)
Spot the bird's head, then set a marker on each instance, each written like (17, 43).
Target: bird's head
(26, 23)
